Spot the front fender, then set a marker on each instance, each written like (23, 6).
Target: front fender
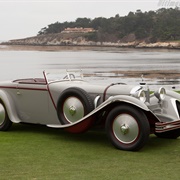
(173, 94)
(119, 98)
(130, 100)
(10, 108)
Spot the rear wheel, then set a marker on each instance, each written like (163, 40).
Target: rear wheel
(127, 128)
(5, 122)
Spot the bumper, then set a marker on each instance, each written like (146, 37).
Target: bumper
(166, 126)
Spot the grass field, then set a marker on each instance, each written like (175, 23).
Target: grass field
(38, 152)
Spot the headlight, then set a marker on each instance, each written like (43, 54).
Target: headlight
(139, 93)
(142, 96)
(160, 94)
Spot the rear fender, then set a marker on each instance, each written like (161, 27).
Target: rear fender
(9, 105)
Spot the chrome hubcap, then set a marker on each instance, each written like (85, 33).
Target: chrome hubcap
(2, 114)
(73, 109)
(125, 128)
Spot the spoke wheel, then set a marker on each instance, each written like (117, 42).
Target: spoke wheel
(127, 128)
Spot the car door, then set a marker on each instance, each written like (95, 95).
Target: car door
(32, 103)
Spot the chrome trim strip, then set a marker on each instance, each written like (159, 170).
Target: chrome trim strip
(96, 101)
(167, 126)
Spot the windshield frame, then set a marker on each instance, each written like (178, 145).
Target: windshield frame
(68, 75)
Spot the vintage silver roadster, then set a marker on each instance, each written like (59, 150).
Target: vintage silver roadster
(128, 114)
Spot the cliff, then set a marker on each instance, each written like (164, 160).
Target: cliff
(79, 39)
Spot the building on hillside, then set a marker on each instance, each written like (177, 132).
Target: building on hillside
(78, 30)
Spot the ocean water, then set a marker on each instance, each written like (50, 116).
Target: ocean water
(99, 64)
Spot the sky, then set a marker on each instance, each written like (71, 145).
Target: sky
(25, 18)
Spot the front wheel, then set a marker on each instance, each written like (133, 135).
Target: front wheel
(5, 122)
(127, 128)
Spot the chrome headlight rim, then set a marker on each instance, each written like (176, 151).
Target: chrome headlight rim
(161, 93)
(142, 96)
(139, 93)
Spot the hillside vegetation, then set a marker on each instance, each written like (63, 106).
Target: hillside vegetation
(151, 27)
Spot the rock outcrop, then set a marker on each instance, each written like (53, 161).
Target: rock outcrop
(79, 39)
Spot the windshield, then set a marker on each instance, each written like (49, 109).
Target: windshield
(69, 75)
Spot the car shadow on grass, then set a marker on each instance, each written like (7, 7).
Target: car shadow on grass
(156, 144)
(95, 135)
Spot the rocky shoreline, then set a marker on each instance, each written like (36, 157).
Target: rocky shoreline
(78, 39)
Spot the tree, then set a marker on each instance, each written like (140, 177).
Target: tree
(83, 22)
(161, 25)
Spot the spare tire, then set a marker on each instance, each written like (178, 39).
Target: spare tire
(74, 103)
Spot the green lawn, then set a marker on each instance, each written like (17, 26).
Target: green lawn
(38, 152)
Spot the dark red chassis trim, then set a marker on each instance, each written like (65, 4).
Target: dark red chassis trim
(33, 89)
(166, 126)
